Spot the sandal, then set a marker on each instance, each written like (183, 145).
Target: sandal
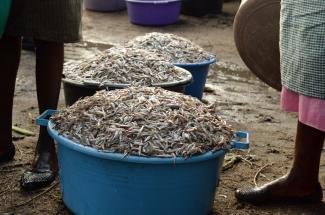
(36, 179)
(263, 195)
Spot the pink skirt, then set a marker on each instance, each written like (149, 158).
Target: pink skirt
(311, 111)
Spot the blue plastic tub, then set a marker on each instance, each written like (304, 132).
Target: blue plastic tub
(199, 72)
(95, 182)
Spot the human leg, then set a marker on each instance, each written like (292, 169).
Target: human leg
(49, 66)
(301, 183)
(10, 48)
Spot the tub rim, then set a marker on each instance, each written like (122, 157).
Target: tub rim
(60, 139)
(103, 86)
(212, 60)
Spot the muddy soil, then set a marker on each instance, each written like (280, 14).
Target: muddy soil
(243, 100)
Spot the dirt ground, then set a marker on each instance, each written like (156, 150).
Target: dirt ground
(243, 100)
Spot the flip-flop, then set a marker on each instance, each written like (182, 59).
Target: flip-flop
(36, 179)
(9, 155)
(263, 195)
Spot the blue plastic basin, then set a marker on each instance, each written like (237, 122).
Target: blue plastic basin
(199, 72)
(95, 182)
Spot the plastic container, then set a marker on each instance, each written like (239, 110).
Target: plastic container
(94, 182)
(5, 6)
(153, 13)
(199, 72)
(105, 5)
(74, 90)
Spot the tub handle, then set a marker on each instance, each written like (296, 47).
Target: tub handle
(42, 119)
(238, 144)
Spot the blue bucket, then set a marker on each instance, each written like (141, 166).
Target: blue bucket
(199, 73)
(94, 182)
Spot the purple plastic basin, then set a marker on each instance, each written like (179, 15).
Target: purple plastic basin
(146, 12)
(105, 5)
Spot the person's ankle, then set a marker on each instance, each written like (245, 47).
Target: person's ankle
(5, 146)
(303, 179)
(293, 184)
(46, 160)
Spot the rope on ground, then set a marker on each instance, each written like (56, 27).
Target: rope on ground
(259, 172)
(35, 197)
(231, 159)
(11, 166)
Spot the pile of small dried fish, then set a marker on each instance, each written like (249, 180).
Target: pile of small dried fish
(173, 48)
(144, 121)
(119, 65)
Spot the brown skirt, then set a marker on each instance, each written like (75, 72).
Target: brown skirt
(49, 20)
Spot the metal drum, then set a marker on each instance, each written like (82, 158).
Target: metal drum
(256, 31)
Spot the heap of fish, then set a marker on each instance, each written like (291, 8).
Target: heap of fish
(144, 121)
(171, 47)
(120, 65)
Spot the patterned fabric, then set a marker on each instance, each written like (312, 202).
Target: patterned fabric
(50, 20)
(311, 111)
(302, 46)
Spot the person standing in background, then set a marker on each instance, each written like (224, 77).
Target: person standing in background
(51, 23)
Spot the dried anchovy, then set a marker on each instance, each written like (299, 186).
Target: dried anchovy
(120, 65)
(144, 121)
(173, 48)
